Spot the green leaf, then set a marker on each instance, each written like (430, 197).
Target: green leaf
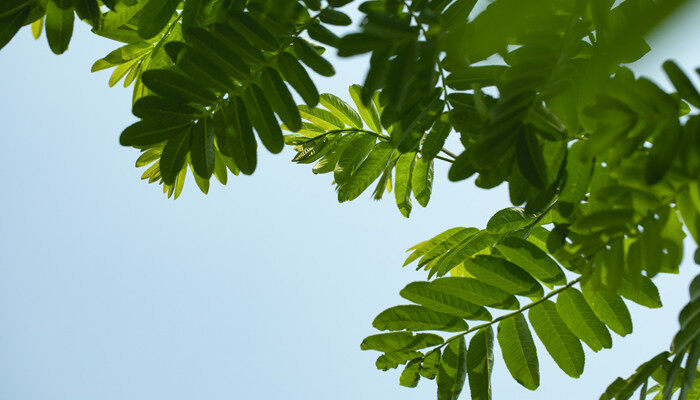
(476, 292)
(334, 17)
(155, 15)
(510, 219)
(581, 320)
(531, 160)
(504, 275)
(578, 174)
(609, 308)
(342, 110)
(603, 219)
(320, 117)
(483, 76)
(280, 99)
(172, 84)
(560, 342)
(402, 183)
(215, 50)
(237, 44)
(391, 360)
(172, 161)
(400, 341)
(164, 110)
(689, 378)
(146, 133)
(11, 7)
(453, 370)
(470, 246)
(410, 375)
(366, 173)
(422, 180)
(683, 85)
(194, 13)
(533, 260)
(239, 139)
(417, 318)
(10, 24)
(647, 295)
(59, 24)
(88, 10)
(263, 119)
(202, 149)
(432, 297)
(201, 70)
(519, 351)
(431, 363)
(297, 76)
(435, 139)
(480, 364)
(253, 31)
(664, 151)
(353, 155)
(309, 56)
(369, 112)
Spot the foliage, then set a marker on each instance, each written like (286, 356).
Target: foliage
(601, 166)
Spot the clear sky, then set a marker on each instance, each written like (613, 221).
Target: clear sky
(261, 290)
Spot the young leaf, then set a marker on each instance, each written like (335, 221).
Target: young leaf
(432, 297)
(561, 344)
(369, 112)
(453, 370)
(320, 117)
(353, 155)
(366, 173)
(342, 110)
(519, 351)
(581, 320)
(480, 364)
(417, 318)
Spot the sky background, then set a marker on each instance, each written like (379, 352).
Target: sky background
(263, 289)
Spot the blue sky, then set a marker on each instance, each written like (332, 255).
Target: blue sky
(262, 289)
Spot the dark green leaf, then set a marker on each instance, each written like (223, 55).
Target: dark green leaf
(155, 15)
(240, 140)
(146, 133)
(533, 260)
(253, 31)
(610, 309)
(504, 275)
(202, 149)
(400, 341)
(263, 119)
(309, 56)
(280, 99)
(10, 24)
(164, 110)
(171, 84)
(172, 161)
(59, 24)
(297, 76)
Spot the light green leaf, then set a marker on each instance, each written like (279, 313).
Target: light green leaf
(366, 173)
(504, 275)
(509, 219)
(402, 183)
(519, 351)
(422, 180)
(400, 341)
(432, 297)
(417, 318)
(410, 375)
(533, 260)
(342, 110)
(431, 363)
(476, 292)
(581, 320)
(320, 117)
(609, 308)
(368, 112)
(560, 342)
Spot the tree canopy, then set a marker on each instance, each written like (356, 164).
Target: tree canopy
(602, 167)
